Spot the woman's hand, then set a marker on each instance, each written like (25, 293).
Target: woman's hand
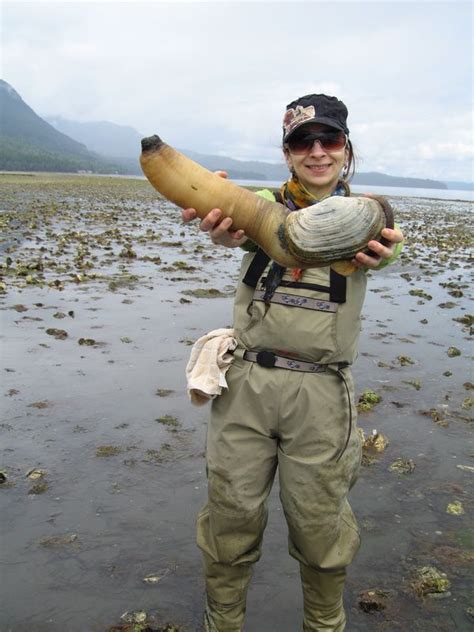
(381, 252)
(219, 229)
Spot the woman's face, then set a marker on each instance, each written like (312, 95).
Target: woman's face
(318, 169)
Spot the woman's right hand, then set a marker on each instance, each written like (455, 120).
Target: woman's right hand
(219, 228)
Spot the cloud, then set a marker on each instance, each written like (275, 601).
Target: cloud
(215, 76)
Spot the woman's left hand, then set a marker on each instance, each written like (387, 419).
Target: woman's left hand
(381, 252)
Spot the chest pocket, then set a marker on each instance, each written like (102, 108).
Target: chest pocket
(300, 319)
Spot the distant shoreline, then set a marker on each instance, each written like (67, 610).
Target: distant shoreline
(452, 195)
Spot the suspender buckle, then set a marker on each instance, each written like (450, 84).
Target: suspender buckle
(266, 359)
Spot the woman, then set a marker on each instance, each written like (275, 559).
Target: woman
(290, 402)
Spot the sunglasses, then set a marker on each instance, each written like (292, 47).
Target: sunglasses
(304, 141)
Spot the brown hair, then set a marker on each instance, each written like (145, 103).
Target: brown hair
(348, 172)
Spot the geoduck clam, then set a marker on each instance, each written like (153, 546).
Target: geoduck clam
(328, 233)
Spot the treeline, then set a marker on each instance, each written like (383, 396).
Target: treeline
(16, 155)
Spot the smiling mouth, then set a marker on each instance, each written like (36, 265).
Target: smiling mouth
(318, 167)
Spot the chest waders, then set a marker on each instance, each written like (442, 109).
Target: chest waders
(289, 408)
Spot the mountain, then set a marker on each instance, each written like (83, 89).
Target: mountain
(108, 139)
(28, 143)
(374, 178)
(122, 143)
(460, 186)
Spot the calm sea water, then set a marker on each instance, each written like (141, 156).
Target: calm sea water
(439, 194)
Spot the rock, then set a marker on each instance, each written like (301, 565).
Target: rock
(373, 600)
(402, 466)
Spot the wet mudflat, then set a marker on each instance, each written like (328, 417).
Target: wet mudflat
(102, 456)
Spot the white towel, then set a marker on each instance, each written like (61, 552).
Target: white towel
(209, 361)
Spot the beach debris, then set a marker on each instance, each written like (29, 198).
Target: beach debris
(126, 339)
(59, 540)
(376, 441)
(139, 616)
(367, 400)
(41, 405)
(154, 578)
(466, 468)
(453, 352)
(59, 334)
(127, 252)
(421, 294)
(204, 293)
(36, 474)
(455, 508)
(3, 477)
(146, 626)
(436, 415)
(182, 265)
(19, 308)
(108, 450)
(38, 488)
(467, 321)
(59, 315)
(467, 403)
(400, 404)
(159, 456)
(171, 423)
(373, 600)
(405, 360)
(447, 305)
(12, 391)
(88, 342)
(402, 466)
(164, 392)
(447, 373)
(415, 383)
(468, 386)
(452, 556)
(429, 581)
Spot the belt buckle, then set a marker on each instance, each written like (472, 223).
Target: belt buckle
(266, 359)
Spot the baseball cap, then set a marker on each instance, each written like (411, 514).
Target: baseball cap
(315, 108)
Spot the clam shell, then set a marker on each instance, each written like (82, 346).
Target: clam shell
(334, 229)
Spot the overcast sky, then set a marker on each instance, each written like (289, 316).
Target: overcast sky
(215, 77)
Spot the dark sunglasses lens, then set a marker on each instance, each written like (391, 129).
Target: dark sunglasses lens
(331, 141)
(334, 141)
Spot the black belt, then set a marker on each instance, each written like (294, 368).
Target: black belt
(268, 359)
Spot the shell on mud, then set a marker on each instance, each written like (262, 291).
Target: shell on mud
(334, 229)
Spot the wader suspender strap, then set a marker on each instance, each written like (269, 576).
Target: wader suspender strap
(260, 261)
(338, 287)
(256, 268)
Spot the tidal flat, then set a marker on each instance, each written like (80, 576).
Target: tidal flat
(102, 468)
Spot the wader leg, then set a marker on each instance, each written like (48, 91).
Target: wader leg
(314, 484)
(226, 595)
(322, 593)
(231, 544)
(241, 460)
